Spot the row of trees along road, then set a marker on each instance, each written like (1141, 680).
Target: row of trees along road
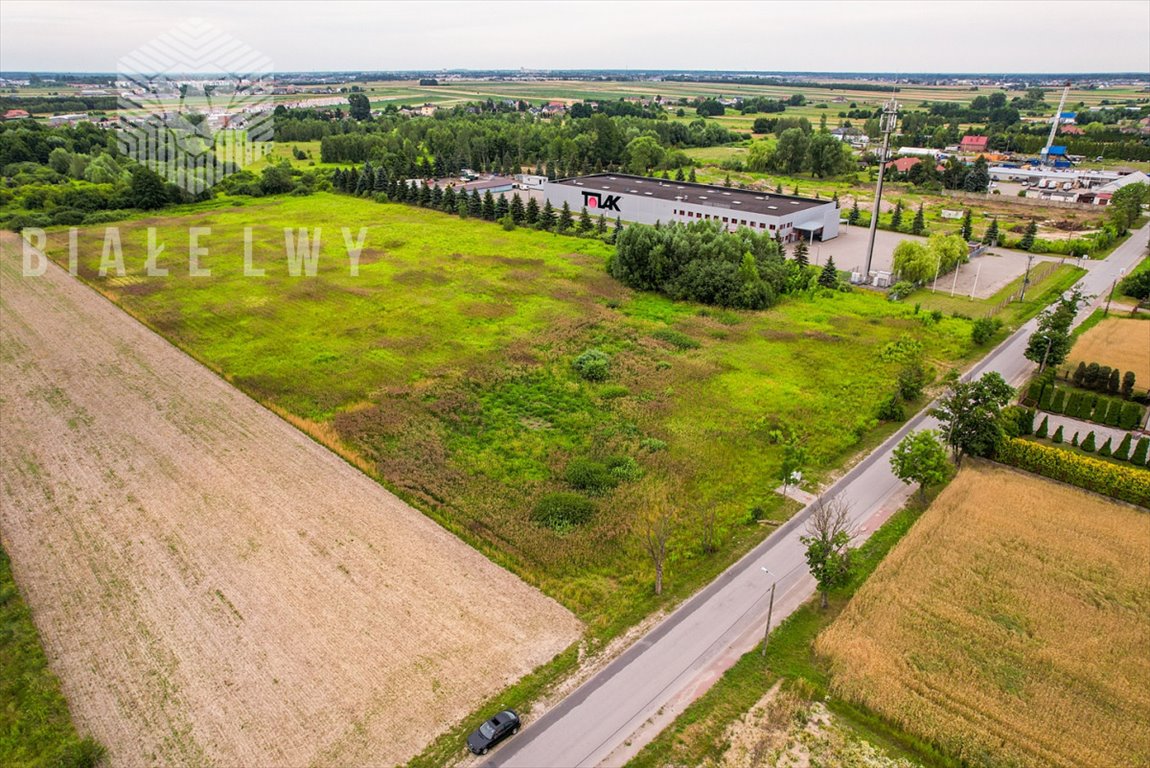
(970, 419)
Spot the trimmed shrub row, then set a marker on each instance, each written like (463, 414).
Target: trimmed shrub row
(1087, 405)
(1019, 421)
(1116, 481)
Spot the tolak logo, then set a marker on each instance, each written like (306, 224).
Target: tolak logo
(602, 202)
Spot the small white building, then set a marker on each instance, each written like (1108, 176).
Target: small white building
(917, 152)
(852, 136)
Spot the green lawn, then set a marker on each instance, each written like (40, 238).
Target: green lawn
(444, 368)
(35, 728)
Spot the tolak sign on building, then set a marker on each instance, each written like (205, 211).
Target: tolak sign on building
(601, 202)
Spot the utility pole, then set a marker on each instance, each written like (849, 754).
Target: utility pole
(770, 610)
(887, 123)
(1026, 278)
(1110, 296)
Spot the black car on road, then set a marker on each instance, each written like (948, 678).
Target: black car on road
(493, 731)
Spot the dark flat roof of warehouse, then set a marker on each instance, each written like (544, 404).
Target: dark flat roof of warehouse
(692, 193)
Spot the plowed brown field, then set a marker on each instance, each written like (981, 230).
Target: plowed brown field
(213, 587)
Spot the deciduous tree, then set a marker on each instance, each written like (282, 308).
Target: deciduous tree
(828, 538)
(1050, 344)
(969, 414)
(920, 458)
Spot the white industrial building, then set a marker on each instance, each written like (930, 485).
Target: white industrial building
(647, 201)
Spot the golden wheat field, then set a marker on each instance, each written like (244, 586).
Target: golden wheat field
(1118, 342)
(1011, 626)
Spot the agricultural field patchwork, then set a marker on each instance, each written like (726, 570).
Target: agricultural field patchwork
(445, 368)
(211, 586)
(1121, 343)
(1011, 626)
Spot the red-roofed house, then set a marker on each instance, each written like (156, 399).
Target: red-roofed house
(973, 143)
(1073, 130)
(903, 164)
(15, 114)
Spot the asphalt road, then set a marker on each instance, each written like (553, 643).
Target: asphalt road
(610, 717)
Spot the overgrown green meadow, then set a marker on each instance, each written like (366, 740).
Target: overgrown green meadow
(445, 369)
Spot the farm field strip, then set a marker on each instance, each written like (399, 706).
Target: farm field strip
(1011, 625)
(211, 586)
(1121, 343)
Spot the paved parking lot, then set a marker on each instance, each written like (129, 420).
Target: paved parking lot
(991, 271)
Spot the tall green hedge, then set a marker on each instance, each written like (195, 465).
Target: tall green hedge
(1090, 406)
(1114, 480)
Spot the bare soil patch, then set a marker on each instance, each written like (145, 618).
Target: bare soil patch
(212, 586)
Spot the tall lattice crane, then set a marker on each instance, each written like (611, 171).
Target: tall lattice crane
(1054, 124)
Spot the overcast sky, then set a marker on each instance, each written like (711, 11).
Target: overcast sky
(860, 35)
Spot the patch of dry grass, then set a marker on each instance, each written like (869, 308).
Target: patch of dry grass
(1011, 626)
(1117, 342)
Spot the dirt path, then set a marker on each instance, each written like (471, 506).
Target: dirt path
(211, 586)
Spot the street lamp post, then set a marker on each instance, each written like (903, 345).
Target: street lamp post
(770, 611)
(1026, 278)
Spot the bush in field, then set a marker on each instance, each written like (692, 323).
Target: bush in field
(890, 409)
(624, 468)
(984, 329)
(588, 475)
(592, 365)
(911, 380)
(562, 512)
(676, 339)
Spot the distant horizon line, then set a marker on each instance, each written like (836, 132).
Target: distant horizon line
(11, 73)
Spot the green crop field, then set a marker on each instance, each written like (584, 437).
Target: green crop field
(445, 369)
